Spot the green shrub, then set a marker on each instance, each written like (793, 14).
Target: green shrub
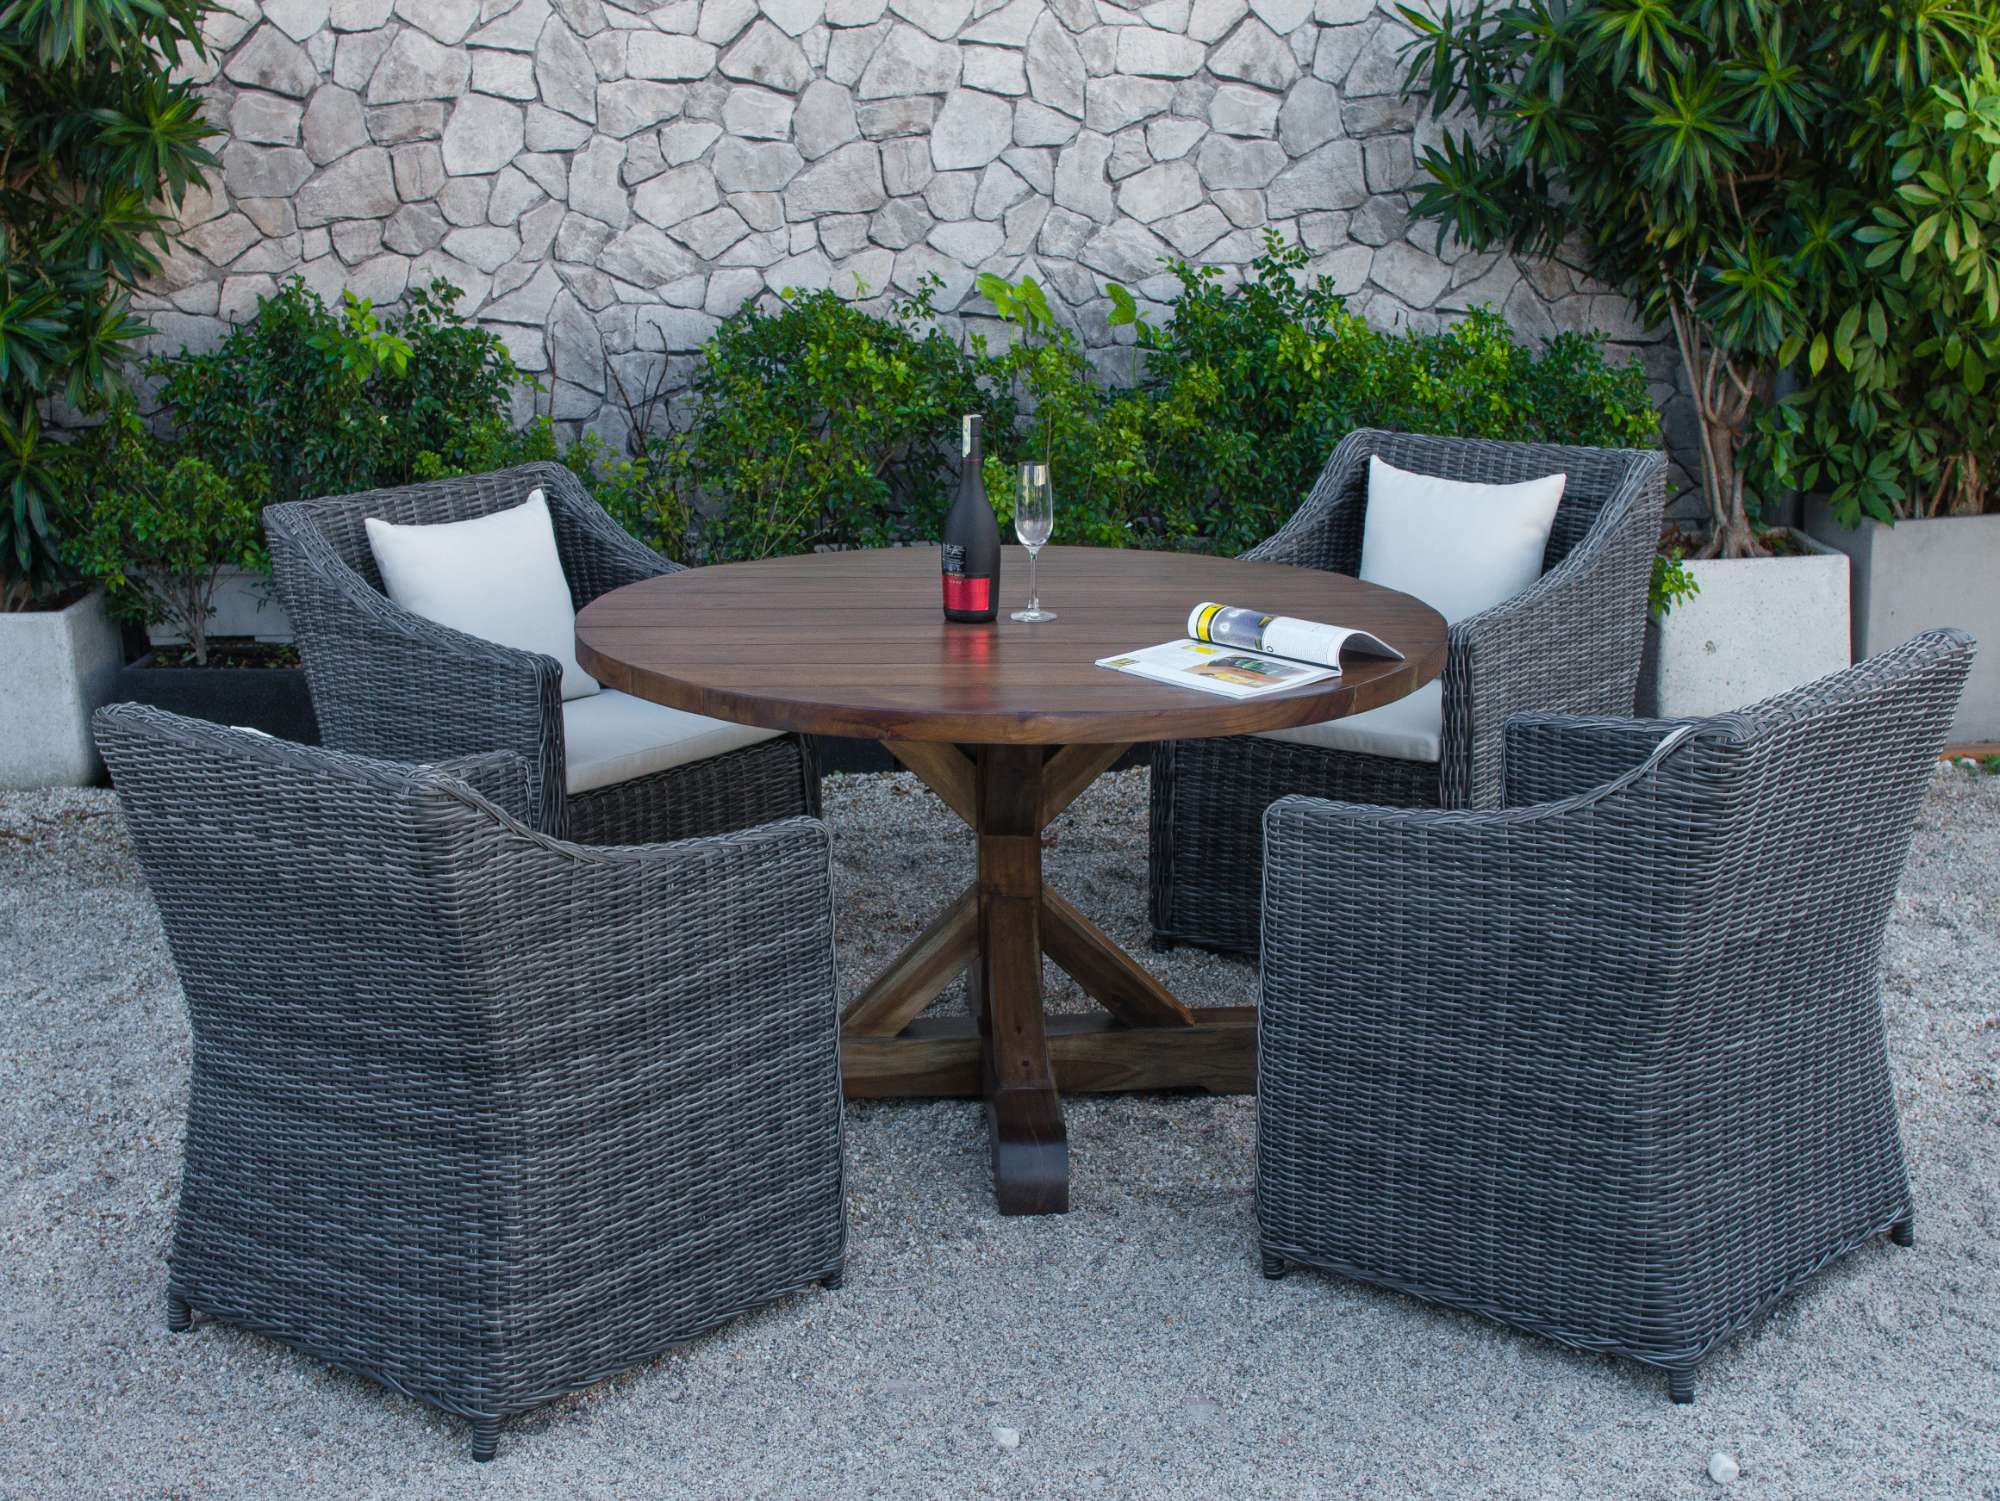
(328, 402)
(1900, 415)
(95, 137)
(160, 525)
(1247, 389)
(818, 423)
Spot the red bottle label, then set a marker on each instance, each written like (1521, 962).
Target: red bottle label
(968, 594)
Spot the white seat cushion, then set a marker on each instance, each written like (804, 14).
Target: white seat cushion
(1459, 547)
(1407, 730)
(496, 577)
(613, 737)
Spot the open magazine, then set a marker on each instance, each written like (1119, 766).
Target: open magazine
(1244, 654)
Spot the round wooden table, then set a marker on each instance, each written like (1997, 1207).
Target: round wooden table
(1007, 723)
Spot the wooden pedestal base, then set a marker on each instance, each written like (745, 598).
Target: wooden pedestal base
(998, 929)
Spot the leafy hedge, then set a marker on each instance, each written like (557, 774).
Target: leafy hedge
(815, 423)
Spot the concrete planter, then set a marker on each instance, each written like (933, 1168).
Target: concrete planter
(246, 605)
(1917, 575)
(56, 668)
(1758, 627)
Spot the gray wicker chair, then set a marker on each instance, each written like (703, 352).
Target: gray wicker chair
(1568, 643)
(388, 683)
(1607, 1064)
(477, 1113)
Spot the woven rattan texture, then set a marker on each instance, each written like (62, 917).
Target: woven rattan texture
(391, 684)
(1611, 1068)
(1570, 643)
(480, 1114)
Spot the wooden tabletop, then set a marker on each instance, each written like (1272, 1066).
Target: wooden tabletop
(855, 643)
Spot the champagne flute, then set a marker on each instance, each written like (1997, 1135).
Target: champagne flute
(1034, 519)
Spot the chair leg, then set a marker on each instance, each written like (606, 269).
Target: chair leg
(1161, 945)
(1275, 1266)
(1903, 1232)
(485, 1438)
(835, 1280)
(1680, 1384)
(180, 1316)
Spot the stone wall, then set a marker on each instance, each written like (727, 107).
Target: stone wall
(606, 179)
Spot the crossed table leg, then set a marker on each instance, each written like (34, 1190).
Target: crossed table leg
(998, 929)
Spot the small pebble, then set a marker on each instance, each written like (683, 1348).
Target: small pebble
(1007, 1438)
(1722, 1468)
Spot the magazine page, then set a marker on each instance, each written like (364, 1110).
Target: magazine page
(1218, 669)
(1282, 635)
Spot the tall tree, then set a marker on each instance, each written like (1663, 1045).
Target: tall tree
(1711, 159)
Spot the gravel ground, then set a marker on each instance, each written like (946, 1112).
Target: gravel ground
(1127, 1349)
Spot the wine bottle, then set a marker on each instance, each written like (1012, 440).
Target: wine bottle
(971, 538)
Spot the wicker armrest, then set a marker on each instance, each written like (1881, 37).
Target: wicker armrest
(1327, 524)
(1551, 756)
(501, 777)
(598, 555)
(389, 683)
(1569, 642)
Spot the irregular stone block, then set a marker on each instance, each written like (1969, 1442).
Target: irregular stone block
(1009, 26)
(518, 29)
(900, 223)
(594, 186)
(1310, 117)
(1081, 185)
(908, 62)
(447, 21)
(1282, 16)
(487, 246)
(751, 166)
(758, 114)
(1055, 67)
(510, 75)
(949, 195)
(270, 60)
(1232, 162)
(1036, 124)
(222, 240)
(334, 125)
(1331, 177)
(1114, 103)
(825, 119)
(881, 119)
(709, 234)
(356, 57)
(418, 170)
(676, 196)
(1256, 55)
(482, 135)
(415, 228)
(263, 119)
(1169, 188)
(358, 186)
(1238, 110)
(354, 240)
(1000, 188)
(513, 195)
(393, 124)
(1192, 232)
(766, 55)
(971, 130)
(1125, 251)
(359, 15)
(1170, 140)
(1158, 54)
(416, 67)
(263, 171)
(635, 104)
(998, 70)
(845, 181)
(462, 200)
(968, 241)
(1211, 20)
(652, 56)
(564, 72)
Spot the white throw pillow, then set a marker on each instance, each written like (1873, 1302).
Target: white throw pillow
(1459, 547)
(497, 577)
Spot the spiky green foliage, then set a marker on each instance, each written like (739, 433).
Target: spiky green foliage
(99, 142)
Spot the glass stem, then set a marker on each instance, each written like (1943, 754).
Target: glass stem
(1034, 593)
